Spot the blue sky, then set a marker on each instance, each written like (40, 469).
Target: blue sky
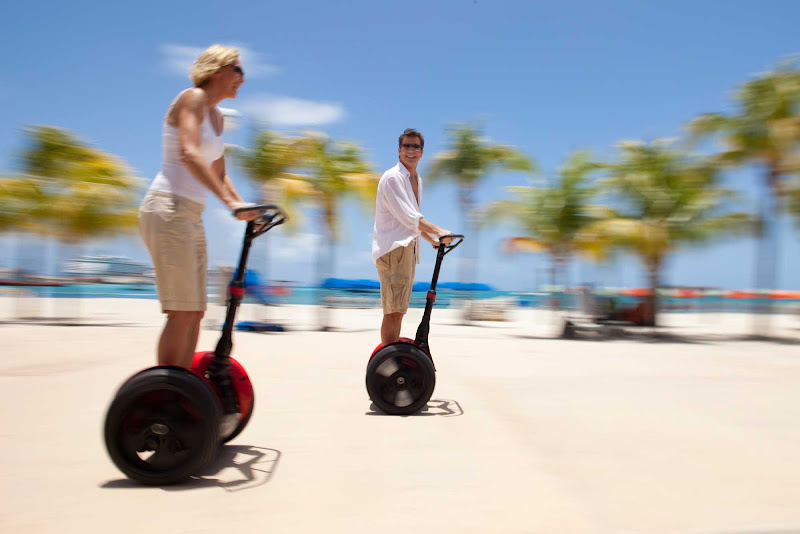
(546, 77)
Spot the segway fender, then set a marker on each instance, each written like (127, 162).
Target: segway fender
(407, 340)
(245, 395)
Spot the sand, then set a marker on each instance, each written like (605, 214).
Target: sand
(696, 431)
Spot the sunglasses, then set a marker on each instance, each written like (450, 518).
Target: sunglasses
(238, 70)
(409, 146)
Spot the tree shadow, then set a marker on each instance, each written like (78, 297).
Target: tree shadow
(594, 331)
(666, 337)
(49, 321)
(435, 407)
(236, 468)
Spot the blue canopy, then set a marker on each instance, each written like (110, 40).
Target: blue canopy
(464, 287)
(343, 283)
(255, 287)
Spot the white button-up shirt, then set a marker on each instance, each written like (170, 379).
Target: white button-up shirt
(397, 212)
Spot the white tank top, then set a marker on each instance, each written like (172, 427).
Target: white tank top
(174, 177)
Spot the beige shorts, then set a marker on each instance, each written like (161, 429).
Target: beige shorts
(172, 229)
(396, 274)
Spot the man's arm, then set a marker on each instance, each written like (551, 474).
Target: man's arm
(395, 198)
(426, 228)
(401, 207)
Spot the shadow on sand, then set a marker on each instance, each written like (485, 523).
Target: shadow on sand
(236, 468)
(437, 407)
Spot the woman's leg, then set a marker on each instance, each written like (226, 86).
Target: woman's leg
(179, 338)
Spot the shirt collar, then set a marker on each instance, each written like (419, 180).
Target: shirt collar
(405, 172)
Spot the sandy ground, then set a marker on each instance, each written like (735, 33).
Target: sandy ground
(696, 432)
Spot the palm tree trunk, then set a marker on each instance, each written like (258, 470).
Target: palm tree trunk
(68, 308)
(465, 260)
(564, 266)
(325, 254)
(766, 257)
(651, 300)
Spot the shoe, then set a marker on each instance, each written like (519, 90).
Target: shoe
(228, 424)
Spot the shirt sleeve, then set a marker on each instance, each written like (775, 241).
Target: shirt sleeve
(400, 205)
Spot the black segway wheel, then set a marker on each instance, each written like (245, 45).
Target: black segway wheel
(163, 426)
(400, 379)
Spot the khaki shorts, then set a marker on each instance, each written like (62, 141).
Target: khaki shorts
(172, 229)
(396, 274)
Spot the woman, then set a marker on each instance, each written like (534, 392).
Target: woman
(170, 217)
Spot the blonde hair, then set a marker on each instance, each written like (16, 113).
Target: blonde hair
(210, 61)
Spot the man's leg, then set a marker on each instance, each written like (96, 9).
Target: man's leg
(390, 328)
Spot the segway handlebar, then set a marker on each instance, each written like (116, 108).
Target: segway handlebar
(270, 216)
(450, 246)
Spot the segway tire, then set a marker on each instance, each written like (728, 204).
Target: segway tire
(400, 379)
(163, 426)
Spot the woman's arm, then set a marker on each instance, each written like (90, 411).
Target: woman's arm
(218, 168)
(189, 114)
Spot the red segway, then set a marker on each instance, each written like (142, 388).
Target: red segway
(401, 376)
(164, 422)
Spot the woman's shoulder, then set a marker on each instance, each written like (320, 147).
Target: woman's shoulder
(192, 100)
(192, 97)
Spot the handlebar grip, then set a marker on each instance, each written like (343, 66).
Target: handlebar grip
(264, 208)
(270, 216)
(451, 246)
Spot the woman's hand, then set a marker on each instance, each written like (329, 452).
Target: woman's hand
(246, 215)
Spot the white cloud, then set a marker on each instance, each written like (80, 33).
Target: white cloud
(287, 111)
(178, 59)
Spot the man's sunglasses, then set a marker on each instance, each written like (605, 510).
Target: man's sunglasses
(409, 146)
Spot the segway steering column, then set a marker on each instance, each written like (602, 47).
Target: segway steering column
(421, 338)
(218, 371)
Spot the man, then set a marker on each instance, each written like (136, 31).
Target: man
(398, 227)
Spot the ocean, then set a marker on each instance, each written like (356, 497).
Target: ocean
(445, 298)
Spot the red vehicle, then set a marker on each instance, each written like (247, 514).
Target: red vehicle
(164, 422)
(401, 376)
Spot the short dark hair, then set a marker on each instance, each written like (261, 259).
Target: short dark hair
(411, 132)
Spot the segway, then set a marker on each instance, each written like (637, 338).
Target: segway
(164, 422)
(401, 376)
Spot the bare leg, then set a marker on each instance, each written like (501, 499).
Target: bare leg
(179, 338)
(390, 328)
(194, 336)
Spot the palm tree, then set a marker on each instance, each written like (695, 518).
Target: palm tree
(67, 190)
(470, 158)
(791, 192)
(668, 199)
(88, 193)
(21, 204)
(554, 216)
(18, 199)
(72, 191)
(270, 163)
(336, 169)
(765, 130)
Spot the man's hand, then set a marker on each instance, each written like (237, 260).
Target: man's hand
(445, 240)
(438, 240)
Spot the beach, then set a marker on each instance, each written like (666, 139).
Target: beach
(693, 428)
